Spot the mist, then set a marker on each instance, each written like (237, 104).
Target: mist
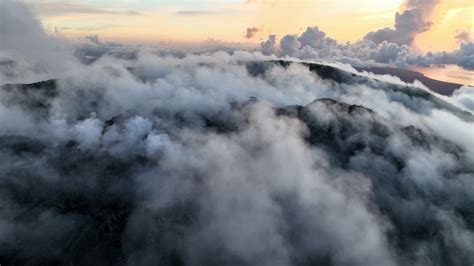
(226, 159)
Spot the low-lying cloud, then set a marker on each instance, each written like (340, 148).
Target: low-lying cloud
(385, 46)
(231, 159)
(314, 44)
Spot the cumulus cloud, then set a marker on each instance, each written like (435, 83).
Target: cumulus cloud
(464, 56)
(314, 44)
(426, 6)
(268, 46)
(388, 52)
(233, 159)
(407, 25)
(387, 46)
(312, 37)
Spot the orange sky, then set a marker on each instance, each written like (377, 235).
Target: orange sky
(226, 20)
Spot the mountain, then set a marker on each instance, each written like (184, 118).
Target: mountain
(342, 77)
(35, 96)
(138, 170)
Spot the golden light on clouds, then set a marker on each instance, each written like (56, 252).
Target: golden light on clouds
(344, 20)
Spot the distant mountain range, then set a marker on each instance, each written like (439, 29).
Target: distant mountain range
(441, 87)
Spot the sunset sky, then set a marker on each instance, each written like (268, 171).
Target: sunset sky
(147, 21)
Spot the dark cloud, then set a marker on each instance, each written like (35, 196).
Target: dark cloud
(464, 56)
(114, 170)
(94, 38)
(251, 32)
(465, 96)
(205, 12)
(389, 52)
(314, 44)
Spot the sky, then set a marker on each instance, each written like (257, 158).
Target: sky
(148, 21)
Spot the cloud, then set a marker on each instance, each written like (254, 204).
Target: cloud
(464, 56)
(312, 37)
(314, 44)
(251, 32)
(289, 45)
(389, 52)
(231, 159)
(465, 96)
(463, 36)
(205, 12)
(426, 6)
(24, 42)
(408, 24)
(60, 9)
(94, 38)
(96, 48)
(177, 154)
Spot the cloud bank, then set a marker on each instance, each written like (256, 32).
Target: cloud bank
(313, 44)
(408, 24)
(386, 46)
